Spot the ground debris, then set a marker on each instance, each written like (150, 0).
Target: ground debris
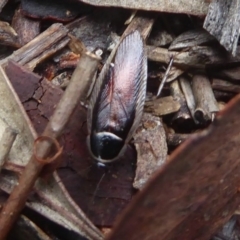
(182, 170)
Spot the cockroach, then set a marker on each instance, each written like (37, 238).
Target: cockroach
(117, 101)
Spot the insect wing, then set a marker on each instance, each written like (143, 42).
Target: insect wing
(119, 93)
(130, 78)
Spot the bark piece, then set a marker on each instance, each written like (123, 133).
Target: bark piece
(162, 106)
(191, 38)
(151, 145)
(20, 78)
(41, 47)
(63, 11)
(222, 85)
(169, 205)
(206, 104)
(196, 57)
(195, 7)
(26, 28)
(223, 22)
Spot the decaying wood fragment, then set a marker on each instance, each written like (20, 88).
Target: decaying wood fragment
(143, 23)
(194, 7)
(162, 106)
(8, 35)
(196, 57)
(206, 104)
(26, 28)
(150, 143)
(8, 215)
(223, 22)
(171, 206)
(41, 47)
(174, 139)
(6, 142)
(20, 77)
(183, 113)
(188, 94)
(222, 85)
(190, 39)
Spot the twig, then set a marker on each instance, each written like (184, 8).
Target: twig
(16, 201)
(188, 93)
(177, 94)
(6, 142)
(41, 47)
(165, 77)
(206, 104)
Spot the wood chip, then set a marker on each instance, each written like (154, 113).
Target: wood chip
(150, 143)
(162, 106)
(41, 47)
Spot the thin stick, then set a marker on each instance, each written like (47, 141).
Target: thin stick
(6, 142)
(86, 68)
(165, 77)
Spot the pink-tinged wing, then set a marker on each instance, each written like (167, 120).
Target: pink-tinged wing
(118, 97)
(130, 78)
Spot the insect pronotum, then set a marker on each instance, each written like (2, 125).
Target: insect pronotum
(117, 101)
